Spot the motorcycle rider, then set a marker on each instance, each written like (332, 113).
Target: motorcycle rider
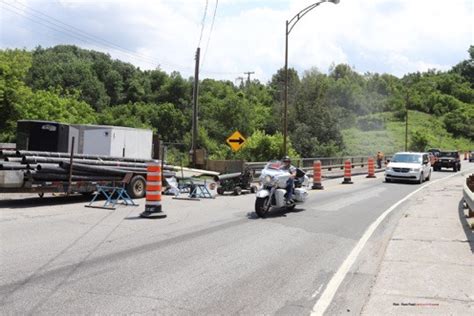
(291, 180)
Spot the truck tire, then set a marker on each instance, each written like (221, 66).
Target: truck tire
(136, 188)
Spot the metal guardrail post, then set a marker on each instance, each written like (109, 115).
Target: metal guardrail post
(468, 198)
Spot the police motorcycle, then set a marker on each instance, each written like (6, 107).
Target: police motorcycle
(272, 191)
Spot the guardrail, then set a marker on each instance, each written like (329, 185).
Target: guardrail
(469, 195)
(327, 163)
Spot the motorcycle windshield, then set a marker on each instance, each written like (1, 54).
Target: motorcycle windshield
(273, 165)
(273, 168)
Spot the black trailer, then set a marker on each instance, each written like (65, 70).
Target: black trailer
(237, 182)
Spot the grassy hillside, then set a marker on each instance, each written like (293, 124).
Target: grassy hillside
(390, 137)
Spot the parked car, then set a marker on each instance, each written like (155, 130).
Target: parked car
(410, 166)
(448, 159)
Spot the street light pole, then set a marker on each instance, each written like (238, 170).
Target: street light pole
(407, 100)
(285, 109)
(289, 26)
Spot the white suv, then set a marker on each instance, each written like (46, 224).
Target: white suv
(409, 166)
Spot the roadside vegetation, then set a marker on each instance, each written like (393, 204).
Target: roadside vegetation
(424, 131)
(334, 113)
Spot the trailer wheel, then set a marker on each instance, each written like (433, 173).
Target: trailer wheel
(253, 189)
(136, 188)
(237, 190)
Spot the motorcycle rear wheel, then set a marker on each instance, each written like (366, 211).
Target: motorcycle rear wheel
(260, 208)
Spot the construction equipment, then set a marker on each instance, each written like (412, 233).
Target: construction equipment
(237, 182)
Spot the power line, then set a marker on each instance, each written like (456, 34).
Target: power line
(58, 26)
(203, 22)
(79, 31)
(45, 25)
(83, 36)
(210, 32)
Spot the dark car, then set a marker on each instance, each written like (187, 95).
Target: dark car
(471, 156)
(448, 159)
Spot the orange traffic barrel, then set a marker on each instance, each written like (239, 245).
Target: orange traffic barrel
(371, 168)
(347, 172)
(317, 176)
(153, 191)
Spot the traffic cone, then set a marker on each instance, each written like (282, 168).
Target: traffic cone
(153, 191)
(317, 176)
(347, 172)
(371, 168)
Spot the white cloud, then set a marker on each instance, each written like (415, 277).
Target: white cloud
(394, 36)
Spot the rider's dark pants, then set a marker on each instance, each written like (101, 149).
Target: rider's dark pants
(289, 188)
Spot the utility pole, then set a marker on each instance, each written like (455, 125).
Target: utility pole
(248, 73)
(195, 109)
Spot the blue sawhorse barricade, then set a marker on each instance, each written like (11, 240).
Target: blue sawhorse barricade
(113, 195)
(195, 190)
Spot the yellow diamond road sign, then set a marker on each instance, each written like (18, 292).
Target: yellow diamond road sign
(235, 141)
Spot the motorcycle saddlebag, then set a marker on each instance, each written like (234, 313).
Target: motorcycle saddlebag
(300, 194)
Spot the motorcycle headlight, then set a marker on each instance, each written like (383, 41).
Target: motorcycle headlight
(267, 179)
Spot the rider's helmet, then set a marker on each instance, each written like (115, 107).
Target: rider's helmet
(286, 159)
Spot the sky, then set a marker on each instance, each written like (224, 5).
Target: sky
(237, 36)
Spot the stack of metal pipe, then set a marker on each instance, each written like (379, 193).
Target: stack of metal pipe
(54, 166)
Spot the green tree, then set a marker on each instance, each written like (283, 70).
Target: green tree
(165, 119)
(14, 65)
(262, 147)
(419, 141)
(49, 106)
(69, 69)
(314, 123)
(466, 67)
(460, 122)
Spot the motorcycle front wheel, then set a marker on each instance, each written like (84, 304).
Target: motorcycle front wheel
(260, 206)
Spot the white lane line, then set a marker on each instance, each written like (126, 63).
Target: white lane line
(326, 298)
(317, 291)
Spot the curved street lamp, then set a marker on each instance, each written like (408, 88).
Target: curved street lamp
(289, 26)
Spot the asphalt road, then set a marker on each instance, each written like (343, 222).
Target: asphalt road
(207, 257)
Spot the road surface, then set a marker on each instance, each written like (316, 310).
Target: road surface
(207, 257)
